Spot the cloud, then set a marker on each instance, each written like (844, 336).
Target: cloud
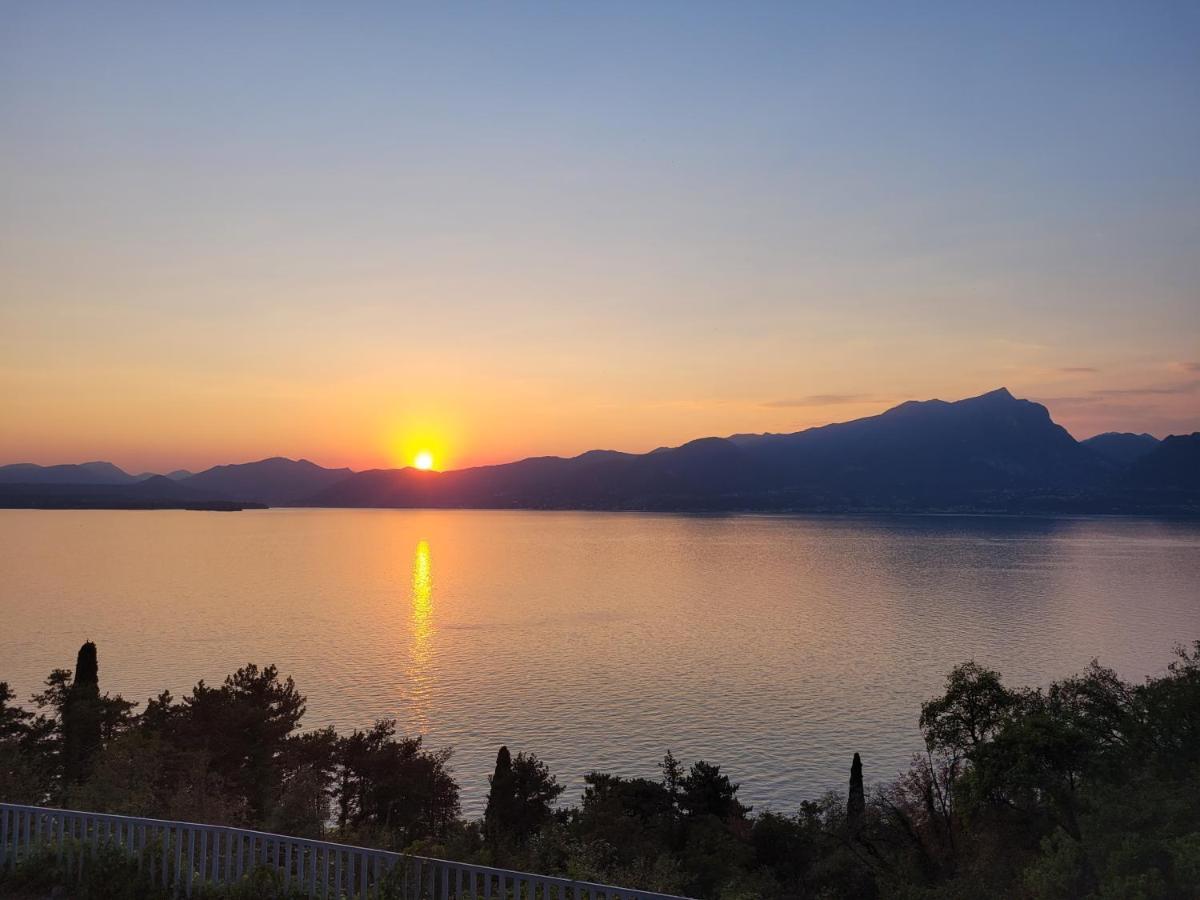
(1067, 401)
(1021, 346)
(1186, 366)
(1077, 370)
(1152, 391)
(821, 400)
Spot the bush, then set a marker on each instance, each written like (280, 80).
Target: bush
(104, 873)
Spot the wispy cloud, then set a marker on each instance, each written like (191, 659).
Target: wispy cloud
(1151, 391)
(1077, 370)
(1186, 366)
(1115, 396)
(1020, 346)
(822, 400)
(1067, 401)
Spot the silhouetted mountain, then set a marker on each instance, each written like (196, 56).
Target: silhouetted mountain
(988, 452)
(83, 473)
(932, 451)
(177, 475)
(1173, 466)
(276, 481)
(156, 492)
(1121, 447)
(545, 481)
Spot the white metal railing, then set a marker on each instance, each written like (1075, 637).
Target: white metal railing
(180, 855)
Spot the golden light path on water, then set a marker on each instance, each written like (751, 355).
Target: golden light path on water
(421, 629)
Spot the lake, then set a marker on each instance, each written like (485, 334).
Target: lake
(774, 646)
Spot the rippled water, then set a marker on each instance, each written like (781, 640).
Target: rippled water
(775, 646)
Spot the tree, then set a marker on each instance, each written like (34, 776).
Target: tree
(308, 762)
(972, 709)
(243, 727)
(633, 816)
(672, 776)
(392, 786)
(1169, 711)
(19, 778)
(82, 717)
(705, 791)
(521, 796)
(856, 803)
(501, 794)
(14, 721)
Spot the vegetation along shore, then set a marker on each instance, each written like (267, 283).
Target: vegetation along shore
(1086, 788)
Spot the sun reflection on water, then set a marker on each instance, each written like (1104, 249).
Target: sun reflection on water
(421, 630)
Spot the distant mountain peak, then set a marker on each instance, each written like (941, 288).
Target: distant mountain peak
(999, 396)
(97, 472)
(275, 480)
(1122, 448)
(992, 399)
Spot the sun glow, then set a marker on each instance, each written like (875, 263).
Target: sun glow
(423, 460)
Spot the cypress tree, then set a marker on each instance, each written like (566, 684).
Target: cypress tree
(81, 716)
(501, 796)
(856, 804)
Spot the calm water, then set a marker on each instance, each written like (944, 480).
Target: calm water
(775, 646)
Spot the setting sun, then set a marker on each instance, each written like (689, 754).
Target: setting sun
(423, 460)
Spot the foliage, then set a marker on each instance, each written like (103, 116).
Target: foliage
(106, 873)
(1084, 788)
(392, 787)
(520, 799)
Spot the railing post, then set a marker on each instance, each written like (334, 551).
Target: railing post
(191, 869)
(203, 867)
(164, 837)
(177, 833)
(68, 840)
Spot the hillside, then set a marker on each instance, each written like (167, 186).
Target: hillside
(276, 481)
(992, 452)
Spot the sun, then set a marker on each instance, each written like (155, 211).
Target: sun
(423, 460)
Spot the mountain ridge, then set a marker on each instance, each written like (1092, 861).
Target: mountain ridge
(991, 452)
(1122, 446)
(275, 480)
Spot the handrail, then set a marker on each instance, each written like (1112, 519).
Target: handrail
(179, 855)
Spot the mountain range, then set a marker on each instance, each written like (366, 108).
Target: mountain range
(993, 452)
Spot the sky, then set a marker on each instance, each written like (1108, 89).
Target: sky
(348, 232)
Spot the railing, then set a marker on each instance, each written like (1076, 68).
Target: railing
(182, 855)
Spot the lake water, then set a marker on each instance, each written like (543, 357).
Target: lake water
(774, 646)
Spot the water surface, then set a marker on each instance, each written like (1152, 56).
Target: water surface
(774, 646)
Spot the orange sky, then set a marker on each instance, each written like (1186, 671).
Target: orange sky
(233, 233)
(483, 415)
